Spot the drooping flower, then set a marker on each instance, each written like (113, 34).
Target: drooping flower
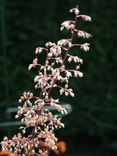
(68, 25)
(39, 50)
(63, 42)
(85, 17)
(83, 34)
(85, 46)
(75, 10)
(34, 64)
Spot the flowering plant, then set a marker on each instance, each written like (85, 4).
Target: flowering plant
(53, 73)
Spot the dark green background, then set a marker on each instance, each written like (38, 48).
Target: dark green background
(32, 23)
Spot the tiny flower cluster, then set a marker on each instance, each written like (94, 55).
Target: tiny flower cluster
(52, 74)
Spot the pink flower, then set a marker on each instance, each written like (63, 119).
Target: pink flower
(85, 46)
(34, 64)
(85, 17)
(63, 42)
(83, 34)
(68, 25)
(75, 10)
(50, 44)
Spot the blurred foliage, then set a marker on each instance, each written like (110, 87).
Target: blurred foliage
(32, 23)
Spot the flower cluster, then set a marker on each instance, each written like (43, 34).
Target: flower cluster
(52, 74)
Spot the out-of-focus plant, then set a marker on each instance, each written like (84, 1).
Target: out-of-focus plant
(53, 72)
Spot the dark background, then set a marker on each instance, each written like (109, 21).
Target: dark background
(24, 25)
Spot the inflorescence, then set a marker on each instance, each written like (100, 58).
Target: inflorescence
(52, 74)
